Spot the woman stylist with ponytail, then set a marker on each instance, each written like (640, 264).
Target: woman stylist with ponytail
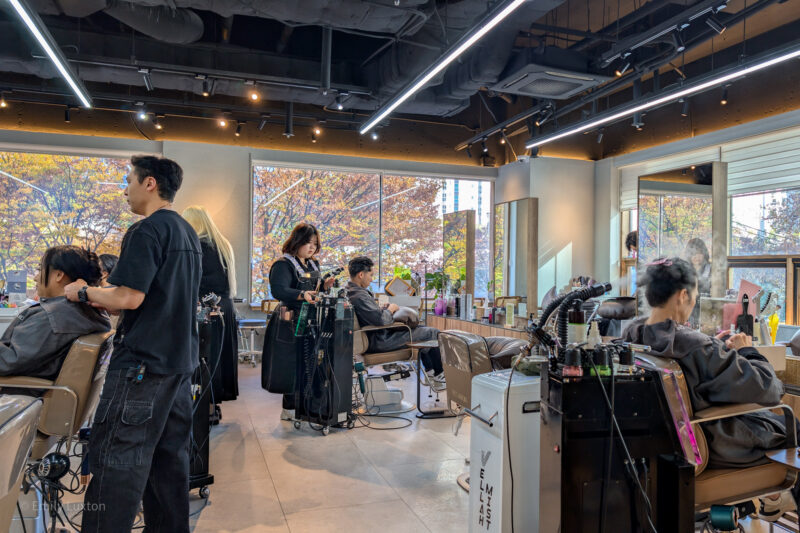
(294, 279)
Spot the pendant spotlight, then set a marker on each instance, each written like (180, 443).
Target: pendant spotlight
(713, 22)
(482, 28)
(3, 103)
(724, 99)
(622, 70)
(148, 82)
(374, 135)
(469, 152)
(238, 131)
(141, 114)
(638, 121)
(484, 148)
(157, 122)
(288, 130)
(263, 122)
(684, 107)
(66, 115)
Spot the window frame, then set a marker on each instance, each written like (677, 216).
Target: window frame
(791, 264)
(356, 170)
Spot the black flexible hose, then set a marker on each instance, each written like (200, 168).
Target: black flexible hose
(550, 308)
(567, 299)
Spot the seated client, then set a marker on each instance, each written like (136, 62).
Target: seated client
(38, 340)
(717, 372)
(386, 340)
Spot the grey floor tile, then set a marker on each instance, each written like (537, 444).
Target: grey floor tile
(386, 517)
(240, 506)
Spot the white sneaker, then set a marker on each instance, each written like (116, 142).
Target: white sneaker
(287, 414)
(772, 510)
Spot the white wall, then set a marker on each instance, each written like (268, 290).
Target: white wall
(513, 182)
(219, 176)
(606, 221)
(565, 189)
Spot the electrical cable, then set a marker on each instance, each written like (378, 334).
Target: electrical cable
(630, 465)
(607, 483)
(508, 442)
(21, 518)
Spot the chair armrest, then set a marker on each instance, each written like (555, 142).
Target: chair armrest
(25, 382)
(729, 411)
(393, 325)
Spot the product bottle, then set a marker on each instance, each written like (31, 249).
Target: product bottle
(602, 361)
(626, 364)
(593, 338)
(572, 363)
(576, 324)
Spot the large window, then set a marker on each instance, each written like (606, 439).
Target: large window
(396, 220)
(766, 223)
(48, 200)
(343, 206)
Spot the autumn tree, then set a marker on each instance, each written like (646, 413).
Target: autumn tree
(48, 200)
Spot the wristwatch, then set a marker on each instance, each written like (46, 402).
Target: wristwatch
(82, 296)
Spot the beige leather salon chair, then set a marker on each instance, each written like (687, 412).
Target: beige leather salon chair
(725, 486)
(361, 345)
(19, 416)
(502, 301)
(465, 355)
(71, 399)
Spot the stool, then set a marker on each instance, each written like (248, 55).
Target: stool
(247, 351)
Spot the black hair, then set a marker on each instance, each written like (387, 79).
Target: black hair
(167, 173)
(108, 262)
(697, 246)
(301, 235)
(632, 240)
(665, 277)
(76, 263)
(359, 264)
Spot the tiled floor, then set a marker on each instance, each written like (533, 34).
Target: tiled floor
(270, 476)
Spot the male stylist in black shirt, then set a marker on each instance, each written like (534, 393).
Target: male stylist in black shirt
(139, 444)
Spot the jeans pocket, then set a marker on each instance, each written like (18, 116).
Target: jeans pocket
(131, 433)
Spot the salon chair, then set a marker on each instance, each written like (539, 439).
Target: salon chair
(465, 355)
(387, 400)
(71, 399)
(725, 486)
(502, 301)
(19, 416)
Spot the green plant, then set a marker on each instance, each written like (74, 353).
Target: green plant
(435, 280)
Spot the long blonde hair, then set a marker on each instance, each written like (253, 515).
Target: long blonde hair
(200, 220)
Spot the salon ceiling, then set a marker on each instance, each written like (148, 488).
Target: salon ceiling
(550, 50)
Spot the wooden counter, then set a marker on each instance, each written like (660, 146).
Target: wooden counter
(485, 330)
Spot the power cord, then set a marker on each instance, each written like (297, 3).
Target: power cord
(607, 483)
(630, 464)
(508, 442)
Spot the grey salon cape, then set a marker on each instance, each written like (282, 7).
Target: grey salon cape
(714, 376)
(369, 313)
(38, 340)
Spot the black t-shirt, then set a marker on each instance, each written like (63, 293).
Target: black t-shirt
(286, 284)
(160, 257)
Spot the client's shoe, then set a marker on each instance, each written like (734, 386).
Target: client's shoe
(287, 414)
(772, 510)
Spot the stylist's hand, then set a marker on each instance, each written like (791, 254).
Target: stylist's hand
(739, 341)
(310, 296)
(329, 282)
(392, 308)
(71, 290)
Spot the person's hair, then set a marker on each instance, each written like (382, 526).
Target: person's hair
(167, 173)
(697, 246)
(203, 224)
(665, 277)
(301, 234)
(359, 264)
(108, 262)
(631, 240)
(76, 263)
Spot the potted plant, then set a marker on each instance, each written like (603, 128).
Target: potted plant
(436, 281)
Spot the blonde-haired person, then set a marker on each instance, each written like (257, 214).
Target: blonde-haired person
(219, 277)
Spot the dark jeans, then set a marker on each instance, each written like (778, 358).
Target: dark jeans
(139, 451)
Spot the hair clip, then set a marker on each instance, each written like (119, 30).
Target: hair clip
(663, 261)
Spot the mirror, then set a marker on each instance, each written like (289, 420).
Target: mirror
(459, 250)
(516, 251)
(683, 213)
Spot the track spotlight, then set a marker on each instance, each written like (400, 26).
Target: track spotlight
(600, 134)
(484, 148)
(685, 108)
(545, 115)
(222, 123)
(621, 71)
(254, 96)
(724, 99)
(680, 45)
(148, 82)
(638, 122)
(238, 131)
(374, 135)
(317, 130)
(3, 103)
(503, 139)
(313, 137)
(157, 123)
(66, 115)
(263, 122)
(714, 23)
(206, 88)
(288, 130)
(469, 152)
(339, 102)
(141, 114)
(693, 167)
